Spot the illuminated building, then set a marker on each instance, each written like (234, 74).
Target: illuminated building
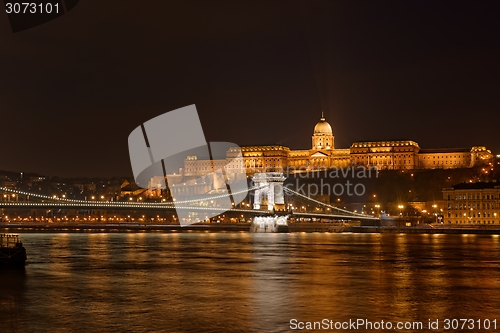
(472, 203)
(385, 155)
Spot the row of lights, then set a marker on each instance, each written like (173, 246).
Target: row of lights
(125, 203)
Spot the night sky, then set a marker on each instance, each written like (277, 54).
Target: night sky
(73, 89)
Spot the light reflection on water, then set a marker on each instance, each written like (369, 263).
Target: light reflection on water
(239, 282)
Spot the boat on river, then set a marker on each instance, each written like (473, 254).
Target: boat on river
(12, 251)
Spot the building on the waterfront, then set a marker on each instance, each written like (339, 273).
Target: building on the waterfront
(472, 203)
(385, 155)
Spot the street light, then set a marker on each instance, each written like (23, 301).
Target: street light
(434, 206)
(401, 213)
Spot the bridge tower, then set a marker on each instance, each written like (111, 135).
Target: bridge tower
(272, 190)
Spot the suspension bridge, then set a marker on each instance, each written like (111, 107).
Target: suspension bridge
(273, 192)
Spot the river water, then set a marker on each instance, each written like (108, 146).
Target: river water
(241, 282)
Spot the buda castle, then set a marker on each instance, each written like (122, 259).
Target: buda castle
(385, 155)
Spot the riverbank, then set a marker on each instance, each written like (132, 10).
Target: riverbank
(240, 227)
(129, 227)
(494, 230)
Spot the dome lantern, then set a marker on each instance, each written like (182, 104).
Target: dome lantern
(323, 127)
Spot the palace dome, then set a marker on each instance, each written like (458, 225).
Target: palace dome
(323, 127)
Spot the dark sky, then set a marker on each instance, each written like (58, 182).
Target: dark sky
(73, 89)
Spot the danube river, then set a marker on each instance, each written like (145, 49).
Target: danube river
(241, 282)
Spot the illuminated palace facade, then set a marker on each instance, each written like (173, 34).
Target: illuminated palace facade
(385, 155)
(472, 203)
